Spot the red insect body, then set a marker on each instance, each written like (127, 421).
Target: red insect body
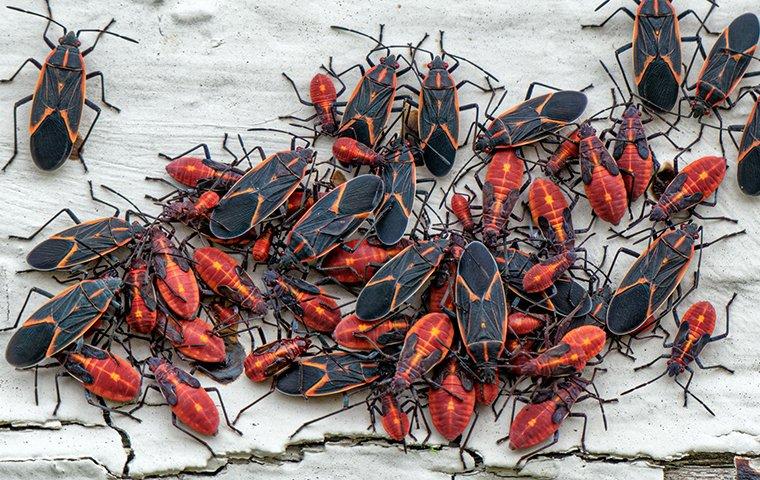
(524, 323)
(451, 401)
(537, 422)
(460, 206)
(501, 191)
(394, 420)
(189, 211)
(103, 373)
(633, 154)
(360, 262)
(352, 152)
(308, 303)
(542, 275)
(576, 348)
(440, 293)
(356, 334)
(141, 315)
(268, 360)
(263, 245)
(188, 400)
(700, 320)
(225, 277)
(300, 201)
(426, 344)
(190, 171)
(567, 150)
(547, 201)
(602, 179)
(323, 96)
(193, 339)
(486, 393)
(174, 279)
(693, 184)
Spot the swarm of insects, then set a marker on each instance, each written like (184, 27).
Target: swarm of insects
(339, 276)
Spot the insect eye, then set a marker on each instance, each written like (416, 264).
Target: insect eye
(445, 65)
(382, 59)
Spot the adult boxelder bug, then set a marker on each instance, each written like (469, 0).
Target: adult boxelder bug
(356, 261)
(399, 175)
(60, 321)
(189, 401)
(142, 312)
(656, 48)
(481, 309)
(355, 334)
(328, 374)
(260, 192)
(331, 219)
(426, 345)
(531, 120)
(59, 97)
(501, 190)
(692, 185)
(371, 102)
(695, 331)
(310, 304)
(174, 278)
(748, 161)
(401, 277)
(602, 180)
(451, 400)
(228, 279)
(101, 373)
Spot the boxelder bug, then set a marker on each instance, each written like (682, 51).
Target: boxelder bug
(633, 155)
(656, 48)
(331, 219)
(501, 191)
(59, 97)
(602, 179)
(394, 420)
(228, 279)
(310, 304)
(60, 321)
(260, 192)
(401, 277)
(531, 120)
(194, 339)
(692, 185)
(481, 309)
(451, 399)
(399, 175)
(273, 358)
(174, 277)
(142, 306)
(356, 261)
(328, 374)
(551, 213)
(748, 161)
(566, 150)
(324, 100)
(570, 355)
(695, 331)
(355, 334)
(204, 173)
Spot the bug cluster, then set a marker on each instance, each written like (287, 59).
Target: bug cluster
(366, 287)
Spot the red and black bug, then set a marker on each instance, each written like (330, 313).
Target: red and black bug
(331, 219)
(260, 192)
(356, 261)
(461, 208)
(394, 420)
(521, 323)
(566, 150)
(371, 102)
(602, 180)
(204, 173)
(261, 248)
(399, 175)
(355, 334)
(192, 210)
(194, 339)
(451, 399)
(310, 304)
(544, 274)
(59, 97)
(142, 312)
(328, 374)
(692, 185)
(188, 399)
(426, 345)
(656, 48)
(748, 160)
(402, 276)
(324, 101)
(174, 278)
(551, 213)
(228, 279)
(531, 120)
(695, 331)
(501, 191)
(101, 373)
(226, 320)
(481, 309)
(439, 296)
(633, 154)
(275, 357)
(570, 355)
(60, 321)
(541, 419)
